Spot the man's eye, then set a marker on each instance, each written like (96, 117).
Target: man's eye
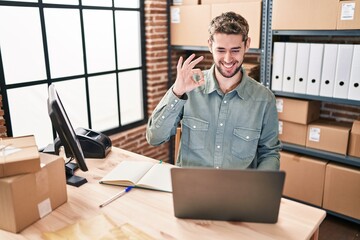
(235, 51)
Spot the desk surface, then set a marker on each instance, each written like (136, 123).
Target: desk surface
(152, 212)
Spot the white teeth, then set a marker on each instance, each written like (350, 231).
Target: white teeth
(227, 65)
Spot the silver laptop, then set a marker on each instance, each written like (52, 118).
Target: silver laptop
(227, 194)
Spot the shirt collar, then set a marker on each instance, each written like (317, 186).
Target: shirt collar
(212, 85)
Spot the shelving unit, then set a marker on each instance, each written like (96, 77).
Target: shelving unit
(285, 34)
(335, 36)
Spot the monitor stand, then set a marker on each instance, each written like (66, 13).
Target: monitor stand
(71, 178)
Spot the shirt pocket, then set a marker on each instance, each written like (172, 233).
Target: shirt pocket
(194, 132)
(245, 142)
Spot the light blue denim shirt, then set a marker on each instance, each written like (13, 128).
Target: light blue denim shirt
(238, 129)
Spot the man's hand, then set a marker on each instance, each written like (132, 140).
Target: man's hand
(187, 77)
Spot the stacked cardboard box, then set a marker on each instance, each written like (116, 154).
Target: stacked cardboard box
(32, 184)
(328, 136)
(18, 155)
(294, 115)
(354, 142)
(304, 177)
(190, 22)
(316, 15)
(329, 185)
(341, 192)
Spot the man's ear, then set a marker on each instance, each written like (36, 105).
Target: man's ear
(247, 44)
(210, 45)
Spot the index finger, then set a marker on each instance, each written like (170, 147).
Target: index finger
(196, 61)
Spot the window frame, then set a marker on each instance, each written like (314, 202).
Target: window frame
(5, 87)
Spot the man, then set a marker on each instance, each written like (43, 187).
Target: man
(228, 120)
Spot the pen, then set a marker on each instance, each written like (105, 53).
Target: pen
(116, 196)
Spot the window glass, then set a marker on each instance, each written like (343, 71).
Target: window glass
(103, 3)
(131, 100)
(129, 47)
(21, 44)
(73, 97)
(127, 3)
(63, 32)
(103, 99)
(70, 2)
(29, 113)
(99, 35)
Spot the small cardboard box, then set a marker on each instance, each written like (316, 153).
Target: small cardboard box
(189, 25)
(328, 136)
(305, 177)
(185, 2)
(348, 15)
(294, 133)
(250, 10)
(297, 111)
(25, 198)
(304, 15)
(354, 142)
(341, 192)
(19, 155)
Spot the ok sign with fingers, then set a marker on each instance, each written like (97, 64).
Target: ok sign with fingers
(188, 77)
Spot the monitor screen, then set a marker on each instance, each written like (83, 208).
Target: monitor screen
(64, 129)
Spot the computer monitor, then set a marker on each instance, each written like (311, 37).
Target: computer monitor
(66, 138)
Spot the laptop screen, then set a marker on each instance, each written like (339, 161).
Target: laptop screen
(227, 194)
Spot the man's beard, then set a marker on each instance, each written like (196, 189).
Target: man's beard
(224, 74)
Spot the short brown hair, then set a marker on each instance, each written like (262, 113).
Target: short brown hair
(229, 23)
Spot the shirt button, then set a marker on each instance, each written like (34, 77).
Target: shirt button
(162, 117)
(225, 101)
(176, 100)
(221, 124)
(247, 137)
(218, 146)
(217, 167)
(194, 126)
(172, 105)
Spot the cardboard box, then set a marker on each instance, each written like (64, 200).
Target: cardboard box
(297, 111)
(19, 155)
(341, 192)
(305, 177)
(28, 197)
(328, 136)
(250, 10)
(222, 1)
(348, 16)
(354, 141)
(304, 15)
(294, 133)
(189, 25)
(185, 2)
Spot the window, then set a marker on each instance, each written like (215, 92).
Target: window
(91, 49)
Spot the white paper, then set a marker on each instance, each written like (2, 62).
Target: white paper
(347, 11)
(314, 134)
(279, 105)
(175, 15)
(44, 208)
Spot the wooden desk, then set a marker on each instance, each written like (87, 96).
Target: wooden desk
(152, 212)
